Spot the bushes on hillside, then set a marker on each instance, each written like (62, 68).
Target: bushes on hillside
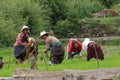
(109, 3)
(76, 10)
(60, 16)
(14, 14)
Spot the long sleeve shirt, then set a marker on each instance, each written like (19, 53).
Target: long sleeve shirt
(21, 38)
(70, 47)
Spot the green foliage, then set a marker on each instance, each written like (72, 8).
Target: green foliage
(116, 79)
(7, 32)
(82, 8)
(61, 29)
(76, 10)
(60, 16)
(14, 14)
(113, 42)
(103, 26)
(109, 3)
(67, 29)
(116, 7)
(58, 10)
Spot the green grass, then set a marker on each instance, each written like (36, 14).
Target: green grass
(112, 60)
(116, 79)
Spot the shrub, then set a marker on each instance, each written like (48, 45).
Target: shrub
(14, 14)
(76, 10)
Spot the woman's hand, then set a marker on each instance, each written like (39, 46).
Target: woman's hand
(45, 51)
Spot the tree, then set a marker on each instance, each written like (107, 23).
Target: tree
(109, 3)
(57, 10)
(14, 14)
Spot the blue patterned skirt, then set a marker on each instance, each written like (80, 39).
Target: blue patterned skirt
(19, 52)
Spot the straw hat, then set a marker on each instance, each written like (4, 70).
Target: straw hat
(24, 27)
(43, 33)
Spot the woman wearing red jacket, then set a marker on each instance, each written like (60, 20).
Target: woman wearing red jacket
(75, 46)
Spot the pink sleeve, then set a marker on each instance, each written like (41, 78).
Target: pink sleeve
(19, 39)
(70, 46)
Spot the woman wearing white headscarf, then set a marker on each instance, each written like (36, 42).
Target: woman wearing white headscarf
(20, 44)
(92, 49)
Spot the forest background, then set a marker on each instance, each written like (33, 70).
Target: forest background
(62, 18)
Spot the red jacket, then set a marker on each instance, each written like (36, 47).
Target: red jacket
(70, 46)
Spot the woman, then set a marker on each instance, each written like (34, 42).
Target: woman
(92, 49)
(75, 46)
(55, 46)
(20, 44)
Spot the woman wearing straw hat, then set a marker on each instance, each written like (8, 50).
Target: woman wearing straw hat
(54, 45)
(20, 44)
